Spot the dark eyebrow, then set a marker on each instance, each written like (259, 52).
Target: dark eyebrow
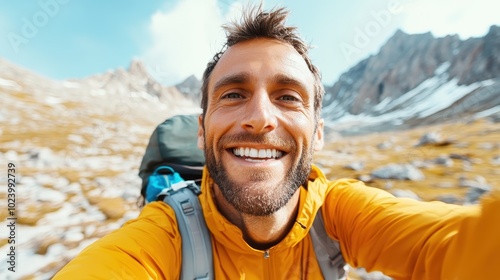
(238, 78)
(243, 77)
(283, 79)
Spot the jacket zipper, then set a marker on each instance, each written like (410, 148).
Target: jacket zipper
(266, 254)
(267, 261)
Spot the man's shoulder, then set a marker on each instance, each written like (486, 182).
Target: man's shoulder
(155, 213)
(345, 185)
(349, 190)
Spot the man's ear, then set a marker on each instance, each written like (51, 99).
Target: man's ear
(201, 133)
(319, 141)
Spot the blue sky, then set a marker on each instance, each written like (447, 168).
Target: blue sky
(64, 39)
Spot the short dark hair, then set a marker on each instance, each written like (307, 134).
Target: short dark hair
(256, 23)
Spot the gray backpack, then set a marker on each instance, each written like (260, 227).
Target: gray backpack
(164, 175)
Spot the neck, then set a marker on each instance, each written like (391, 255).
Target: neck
(260, 232)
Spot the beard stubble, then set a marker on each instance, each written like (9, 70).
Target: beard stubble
(252, 198)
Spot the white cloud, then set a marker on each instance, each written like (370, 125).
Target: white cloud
(465, 18)
(184, 39)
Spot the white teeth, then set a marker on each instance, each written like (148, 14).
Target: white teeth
(262, 153)
(254, 153)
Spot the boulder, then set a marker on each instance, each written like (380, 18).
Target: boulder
(398, 172)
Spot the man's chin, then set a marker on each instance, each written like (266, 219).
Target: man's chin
(256, 192)
(257, 173)
(256, 179)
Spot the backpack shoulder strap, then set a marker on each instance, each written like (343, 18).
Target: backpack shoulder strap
(327, 250)
(197, 260)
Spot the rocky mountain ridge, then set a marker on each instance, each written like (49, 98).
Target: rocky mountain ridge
(444, 78)
(413, 80)
(115, 87)
(137, 80)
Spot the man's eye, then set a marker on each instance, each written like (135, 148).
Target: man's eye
(288, 98)
(232, 95)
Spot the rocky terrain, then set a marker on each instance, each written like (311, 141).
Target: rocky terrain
(454, 162)
(77, 144)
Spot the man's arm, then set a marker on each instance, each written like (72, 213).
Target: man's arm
(146, 248)
(407, 239)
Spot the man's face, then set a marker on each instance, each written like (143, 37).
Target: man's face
(259, 129)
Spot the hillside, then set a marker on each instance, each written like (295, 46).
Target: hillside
(77, 146)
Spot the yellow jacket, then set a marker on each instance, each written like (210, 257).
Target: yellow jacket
(403, 238)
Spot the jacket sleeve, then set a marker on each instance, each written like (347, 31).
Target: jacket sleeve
(148, 247)
(408, 239)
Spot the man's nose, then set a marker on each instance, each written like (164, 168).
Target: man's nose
(260, 114)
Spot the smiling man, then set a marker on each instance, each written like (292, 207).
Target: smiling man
(259, 131)
(260, 192)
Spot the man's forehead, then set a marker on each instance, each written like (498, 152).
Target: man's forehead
(269, 56)
(263, 46)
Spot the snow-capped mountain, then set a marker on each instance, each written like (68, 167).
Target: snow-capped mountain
(137, 81)
(415, 80)
(121, 92)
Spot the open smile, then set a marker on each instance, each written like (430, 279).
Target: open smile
(253, 154)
